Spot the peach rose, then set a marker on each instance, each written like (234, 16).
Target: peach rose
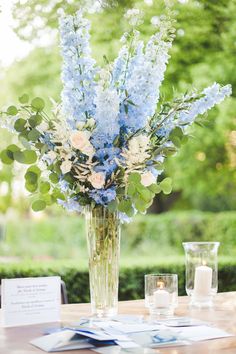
(147, 179)
(80, 140)
(97, 179)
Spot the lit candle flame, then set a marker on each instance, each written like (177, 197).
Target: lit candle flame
(160, 284)
(203, 263)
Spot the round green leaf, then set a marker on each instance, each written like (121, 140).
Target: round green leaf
(31, 177)
(166, 185)
(38, 104)
(6, 157)
(34, 134)
(54, 178)
(13, 148)
(35, 120)
(27, 157)
(24, 98)
(12, 111)
(44, 187)
(39, 205)
(20, 125)
(34, 169)
(31, 187)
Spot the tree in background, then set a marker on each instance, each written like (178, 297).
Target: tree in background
(204, 51)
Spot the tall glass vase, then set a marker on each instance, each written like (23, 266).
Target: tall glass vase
(103, 239)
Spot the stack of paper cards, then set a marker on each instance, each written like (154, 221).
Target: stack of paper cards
(115, 337)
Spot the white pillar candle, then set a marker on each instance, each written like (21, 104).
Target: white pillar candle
(202, 281)
(161, 297)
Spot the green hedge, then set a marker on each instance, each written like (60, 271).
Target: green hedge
(131, 277)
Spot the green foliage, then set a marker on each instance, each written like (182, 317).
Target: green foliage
(131, 282)
(38, 104)
(147, 236)
(24, 98)
(39, 205)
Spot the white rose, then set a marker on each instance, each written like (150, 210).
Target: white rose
(97, 179)
(66, 166)
(147, 179)
(80, 140)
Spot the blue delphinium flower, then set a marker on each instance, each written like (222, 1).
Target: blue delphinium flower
(140, 79)
(211, 96)
(70, 204)
(107, 110)
(107, 160)
(103, 196)
(78, 73)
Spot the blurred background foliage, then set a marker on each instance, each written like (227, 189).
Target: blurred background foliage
(204, 51)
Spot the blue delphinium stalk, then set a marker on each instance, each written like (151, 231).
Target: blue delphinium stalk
(107, 110)
(139, 72)
(78, 73)
(212, 95)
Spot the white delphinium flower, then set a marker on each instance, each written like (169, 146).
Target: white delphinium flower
(42, 127)
(155, 21)
(66, 166)
(134, 16)
(137, 151)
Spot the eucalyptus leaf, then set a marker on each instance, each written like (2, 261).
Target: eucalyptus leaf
(54, 178)
(20, 125)
(125, 206)
(34, 135)
(12, 111)
(134, 178)
(31, 177)
(44, 187)
(34, 169)
(24, 98)
(38, 104)
(35, 120)
(6, 157)
(39, 205)
(31, 187)
(166, 185)
(27, 157)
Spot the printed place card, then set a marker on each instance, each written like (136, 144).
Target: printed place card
(28, 301)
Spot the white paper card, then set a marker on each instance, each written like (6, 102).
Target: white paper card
(201, 333)
(30, 300)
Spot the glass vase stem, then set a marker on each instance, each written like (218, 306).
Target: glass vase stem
(103, 239)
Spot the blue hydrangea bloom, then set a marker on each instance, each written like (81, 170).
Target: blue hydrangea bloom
(103, 196)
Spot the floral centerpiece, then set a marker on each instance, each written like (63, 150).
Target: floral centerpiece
(102, 149)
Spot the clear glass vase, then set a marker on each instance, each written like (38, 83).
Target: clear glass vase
(201, 272)
(103, 239)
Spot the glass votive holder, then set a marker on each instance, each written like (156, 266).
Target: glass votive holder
(201, 272)
(161, 293)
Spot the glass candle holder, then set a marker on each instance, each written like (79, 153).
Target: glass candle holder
(201, 272)
(161, 293)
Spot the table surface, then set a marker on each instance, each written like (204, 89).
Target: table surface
(15, 340)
